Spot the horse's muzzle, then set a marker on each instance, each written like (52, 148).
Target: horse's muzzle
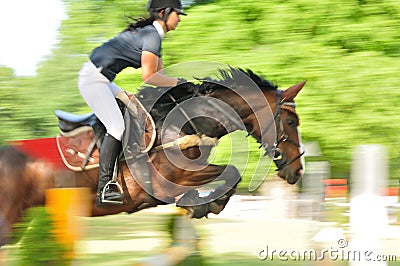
(290, 176)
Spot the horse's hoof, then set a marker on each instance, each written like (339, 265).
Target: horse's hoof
(197, 206)
(215, 207)
(201, 211)
(190, 198)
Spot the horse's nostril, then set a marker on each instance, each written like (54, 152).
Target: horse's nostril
(278, 155)
(300, 172)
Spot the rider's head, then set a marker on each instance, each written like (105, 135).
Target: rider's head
(162, 9)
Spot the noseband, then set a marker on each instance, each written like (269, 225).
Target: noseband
(276, 153)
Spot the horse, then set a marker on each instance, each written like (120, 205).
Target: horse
(208, 109)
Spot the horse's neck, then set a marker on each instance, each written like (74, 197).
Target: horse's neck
(232, 107)
(215, 115)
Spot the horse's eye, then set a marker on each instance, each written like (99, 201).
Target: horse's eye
(291, 122)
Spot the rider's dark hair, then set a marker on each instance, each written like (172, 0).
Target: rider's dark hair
(141, 22)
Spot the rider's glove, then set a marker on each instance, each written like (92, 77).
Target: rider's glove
(181, 81)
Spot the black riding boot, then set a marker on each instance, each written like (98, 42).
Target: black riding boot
(109, 152)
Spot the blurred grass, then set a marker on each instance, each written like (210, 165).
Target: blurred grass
(133, 228)
(145, 234)
(348, 51)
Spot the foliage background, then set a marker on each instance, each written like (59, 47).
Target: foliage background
(348, 50)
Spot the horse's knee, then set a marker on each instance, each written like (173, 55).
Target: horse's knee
(218, 201)
(200, 211)
(215, 207)
(232, 170)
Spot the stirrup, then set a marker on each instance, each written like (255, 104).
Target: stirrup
(119, 189)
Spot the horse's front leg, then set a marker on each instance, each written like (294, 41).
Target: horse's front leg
(216, 201)
(220, 196)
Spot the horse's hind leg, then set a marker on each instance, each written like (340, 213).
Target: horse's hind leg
(216, 201)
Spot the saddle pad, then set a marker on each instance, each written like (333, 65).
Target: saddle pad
(73, 149)
(75, 145)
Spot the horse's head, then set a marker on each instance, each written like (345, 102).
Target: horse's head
(269, 115)
(272, 120)
(289, 150)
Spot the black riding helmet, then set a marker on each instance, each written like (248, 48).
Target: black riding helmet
(168, 5)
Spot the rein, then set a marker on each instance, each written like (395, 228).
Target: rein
(184, 112)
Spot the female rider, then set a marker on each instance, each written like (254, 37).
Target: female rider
(137, 46)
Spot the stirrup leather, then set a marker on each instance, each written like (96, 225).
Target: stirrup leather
(107, 187)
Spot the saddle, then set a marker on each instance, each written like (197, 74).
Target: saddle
(81, 135)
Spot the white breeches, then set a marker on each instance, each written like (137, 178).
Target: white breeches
(99, 93)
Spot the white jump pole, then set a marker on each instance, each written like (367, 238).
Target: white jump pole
(368, 216)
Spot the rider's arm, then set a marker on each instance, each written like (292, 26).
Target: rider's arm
(150, 65)
(160, 66)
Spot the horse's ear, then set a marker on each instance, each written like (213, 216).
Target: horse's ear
(290, 93)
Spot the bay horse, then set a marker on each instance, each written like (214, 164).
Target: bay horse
(236, 100)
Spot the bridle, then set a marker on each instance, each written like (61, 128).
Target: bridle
(276, 153)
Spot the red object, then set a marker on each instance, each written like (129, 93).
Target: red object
(43, 149)
(335, 191)
(335, 188)
(390, 191)
(335, 182)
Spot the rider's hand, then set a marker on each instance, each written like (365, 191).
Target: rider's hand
(181, 81)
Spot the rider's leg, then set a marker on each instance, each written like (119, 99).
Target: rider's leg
(96, 91)
(115, 89)
(109, 152)
(140, 164)
(99, 93)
